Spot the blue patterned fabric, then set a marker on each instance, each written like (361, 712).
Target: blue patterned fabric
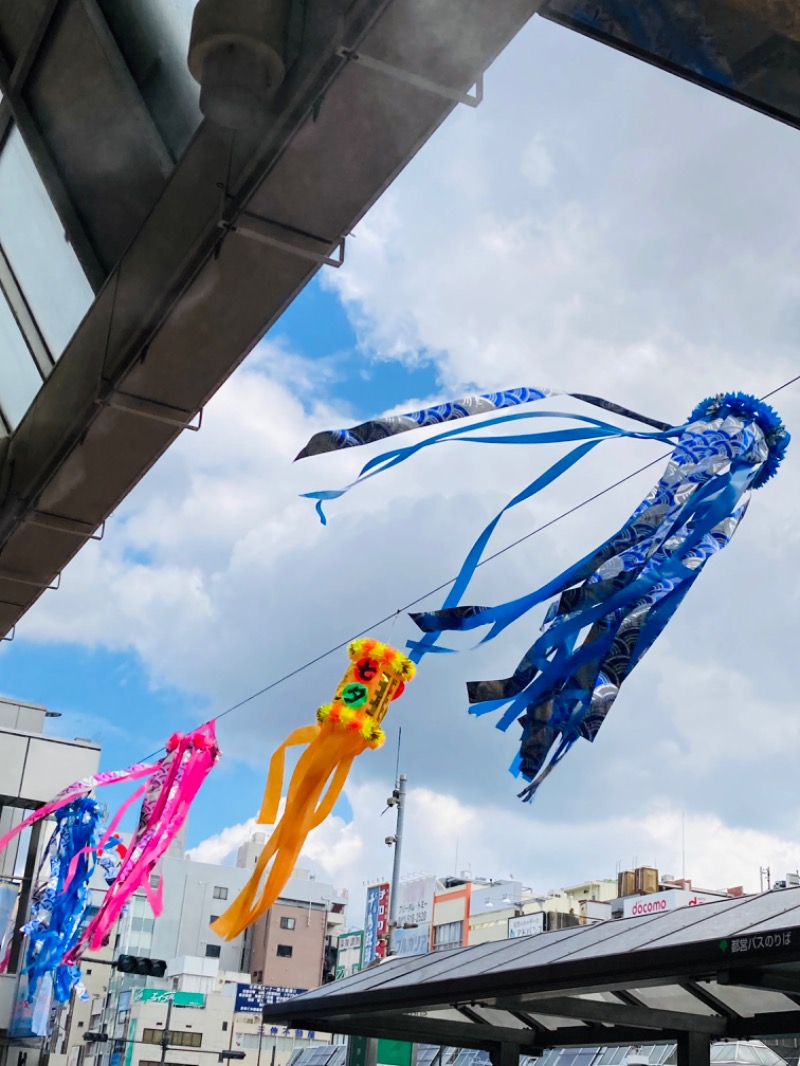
(622, 595)
(60, 902)
(380, 428)
(614, 603)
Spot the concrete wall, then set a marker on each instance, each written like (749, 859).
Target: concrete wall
(216, 1025)
(27, 717)
(189, 905)
(33, 768)
(306, 942)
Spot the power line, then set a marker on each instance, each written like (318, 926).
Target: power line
(446, 584)
(433, 591)
(785, 385)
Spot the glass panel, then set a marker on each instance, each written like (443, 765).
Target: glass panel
(671, 997)
(750, 51)
(747, 1053)
(666, 1052)
(153, 36)
(750, 1001)
(46, 268)
(19, 378)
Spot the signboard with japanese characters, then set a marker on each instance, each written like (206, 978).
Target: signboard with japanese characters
(251, 999)
(376, 923)
(526, 924)
(415, 901)
(349, 955)
(414, 910)
(413, 941)
(746, 945)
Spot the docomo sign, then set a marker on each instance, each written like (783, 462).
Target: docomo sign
(635, 906)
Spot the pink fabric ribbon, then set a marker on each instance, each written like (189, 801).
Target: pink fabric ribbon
(169, 793)
(173, 783)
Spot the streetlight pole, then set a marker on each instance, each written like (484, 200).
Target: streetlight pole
(400, 797)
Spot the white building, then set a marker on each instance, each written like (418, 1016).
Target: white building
(197, 1007)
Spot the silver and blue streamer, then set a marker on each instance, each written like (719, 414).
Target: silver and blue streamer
(376, 429)
(609, 607)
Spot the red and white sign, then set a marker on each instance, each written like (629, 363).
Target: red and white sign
(658, 902)
(383, 920)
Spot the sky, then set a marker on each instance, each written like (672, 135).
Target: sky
(595, 225)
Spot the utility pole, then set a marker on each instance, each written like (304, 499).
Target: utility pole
(399, 798)
(166, 1034)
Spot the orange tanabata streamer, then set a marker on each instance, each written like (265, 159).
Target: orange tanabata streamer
(344, 729)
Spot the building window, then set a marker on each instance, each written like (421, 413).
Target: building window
(284, 951)
(212, 951)
(287, 923)
(220, 892)
(155, 880)
(258, 977)
(224, 1027)
(213, 918)
(175, 1037)
(449, 935)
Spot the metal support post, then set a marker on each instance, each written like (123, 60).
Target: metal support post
(398, 844)
(694, 1049)
(506, 1054)
(26, 892)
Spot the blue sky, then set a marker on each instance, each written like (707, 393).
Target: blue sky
(597, 226)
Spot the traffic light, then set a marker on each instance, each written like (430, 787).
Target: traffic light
(95, 1038)
(140, 965)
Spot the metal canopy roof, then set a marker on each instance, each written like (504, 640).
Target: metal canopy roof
(185, 242)
(748, 50)
(720, 970)
(194, 239)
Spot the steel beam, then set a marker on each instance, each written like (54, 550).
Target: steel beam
(595, 1010)
(410, 1027)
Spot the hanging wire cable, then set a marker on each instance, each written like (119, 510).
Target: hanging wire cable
(446, 584)
(785, 385)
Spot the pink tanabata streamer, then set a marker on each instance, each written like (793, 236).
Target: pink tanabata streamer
(173, 783)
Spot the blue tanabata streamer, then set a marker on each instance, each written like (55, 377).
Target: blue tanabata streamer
(614, 603)
(60, 904)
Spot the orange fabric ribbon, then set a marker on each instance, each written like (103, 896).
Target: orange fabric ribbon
(347, 727)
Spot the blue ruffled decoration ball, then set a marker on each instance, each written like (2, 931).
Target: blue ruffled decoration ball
(741, 404)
